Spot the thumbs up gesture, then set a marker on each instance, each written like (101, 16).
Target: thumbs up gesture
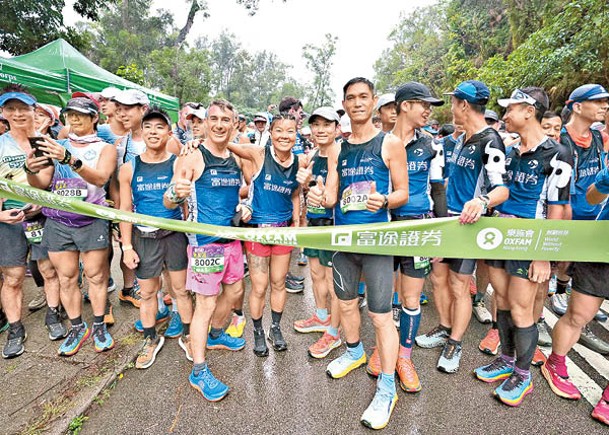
(184, 182)
(316, 193)
(304, 175)
(376, 200)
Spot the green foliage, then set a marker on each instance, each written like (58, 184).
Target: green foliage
(132, 73)
(76, 424)
(319, 62)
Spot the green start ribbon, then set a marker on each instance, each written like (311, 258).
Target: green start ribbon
(489, 238)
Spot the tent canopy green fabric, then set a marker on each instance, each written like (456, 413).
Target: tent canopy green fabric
(80, 74)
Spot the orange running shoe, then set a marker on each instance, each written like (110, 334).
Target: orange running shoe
(322, 347)
(409, 380)
(374, 364)
(490, 343)
(538, 358)
(473, 288)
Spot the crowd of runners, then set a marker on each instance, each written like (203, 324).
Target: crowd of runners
(378, 159)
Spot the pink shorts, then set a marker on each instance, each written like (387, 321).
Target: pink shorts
(212, 265)
(261, 250)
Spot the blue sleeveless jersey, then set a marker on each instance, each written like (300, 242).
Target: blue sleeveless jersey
(358, 166)
(477, 167)
(448, 144)
(536, 179)
(215, 196)
(587, 163)
(271, 191)
(148, 185)
(320, 168)
(105, 133)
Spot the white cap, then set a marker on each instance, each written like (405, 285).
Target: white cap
(131, 97)
(384, 100)
(199, 113)
(345, 124)
(110, 93)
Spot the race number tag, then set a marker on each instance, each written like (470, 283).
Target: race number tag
(207, 259)
(355, 196)
(70, 188)
(421, 262)
(33, 231)
(316, 210)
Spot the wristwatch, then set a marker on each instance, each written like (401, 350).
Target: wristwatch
(76, 165)
(385, 202)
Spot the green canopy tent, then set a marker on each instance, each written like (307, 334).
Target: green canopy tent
(46, 86)
(81, 74)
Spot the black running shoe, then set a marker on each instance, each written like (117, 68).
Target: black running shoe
(260, 348)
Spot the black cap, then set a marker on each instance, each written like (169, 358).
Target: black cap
(82, 105)
(156, 113)
(418, 92)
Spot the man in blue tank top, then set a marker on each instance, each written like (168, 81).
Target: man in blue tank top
(367, 178)
(143, 181)
(210, 178)
(476, 182)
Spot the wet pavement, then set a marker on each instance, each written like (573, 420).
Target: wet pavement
(290, 393)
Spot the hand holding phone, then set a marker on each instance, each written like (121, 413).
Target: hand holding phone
(38, 152)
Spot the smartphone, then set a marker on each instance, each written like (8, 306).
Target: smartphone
(26, 208)
(36, 147)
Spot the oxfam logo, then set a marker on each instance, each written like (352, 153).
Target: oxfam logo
(489, 238)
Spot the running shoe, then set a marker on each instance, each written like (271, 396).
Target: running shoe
(495, 371)
(184, 342)
(559, 303)
(593, 342)
(292, 286)
(423, 300)
(130, 296)
(601, 411)
(302, 259)
(3, 321)
(539, 358)
(600, 316)
(237, 325)
(434, 338)
(552, 286)
(260, 348)
(225, 342)
(54, 325)
(175, 328)
(473, 288)
(396, 310)
(147, 354)
(276, 338)
(341, 366)
(514, 389)
(74, 340)
(167, 299)
(102, 340)
(450, 358)
(111, 285)
(14, 345)
(562, 387)
(490, 343)
(407, 374)
(363, 302)
(322, 347)
(39, 301)
(373, 368)
(109, 314)
(481, 313)
(161, 316)
(295, 278)
(206, 384)
(545, 338)
(312, 324)
(377, 415)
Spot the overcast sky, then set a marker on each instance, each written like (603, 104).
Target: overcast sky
(362, 27)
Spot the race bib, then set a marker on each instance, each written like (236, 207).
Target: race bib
(33, 230)
(316, 210)
(207, 259)
(355, 196)
(421, 262)
(70, 188)
(274, 225)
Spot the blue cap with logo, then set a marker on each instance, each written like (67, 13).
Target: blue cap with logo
(20, 96)
(472, 91)
(587, 92)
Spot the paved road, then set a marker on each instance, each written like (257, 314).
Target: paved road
(289, 393)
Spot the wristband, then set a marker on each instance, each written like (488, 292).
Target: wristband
(485, 200)
(171, 195)
(28, 171)
(385, 202)
(127, 248)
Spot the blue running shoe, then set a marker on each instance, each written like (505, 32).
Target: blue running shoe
(75, 339)
(423, 300)
(161, 316)
(175, 328)
(450, 358)
(514, 389)
(495, 371)
(225, 341)
(206, 384)
(102, 340)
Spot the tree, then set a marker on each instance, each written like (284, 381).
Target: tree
(29, 24)
(319, 62)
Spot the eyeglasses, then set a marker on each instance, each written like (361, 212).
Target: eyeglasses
(425, 104)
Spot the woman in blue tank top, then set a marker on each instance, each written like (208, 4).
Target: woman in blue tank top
(274, 201)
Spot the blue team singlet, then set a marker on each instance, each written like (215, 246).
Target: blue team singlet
(215, 196)
(271, 191)
(320, 168)
(358, 166)
(148, 185)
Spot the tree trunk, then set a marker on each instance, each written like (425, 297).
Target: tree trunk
(194, 8)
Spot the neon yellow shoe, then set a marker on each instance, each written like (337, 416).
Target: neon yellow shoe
(342, 365)
(236, 327)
